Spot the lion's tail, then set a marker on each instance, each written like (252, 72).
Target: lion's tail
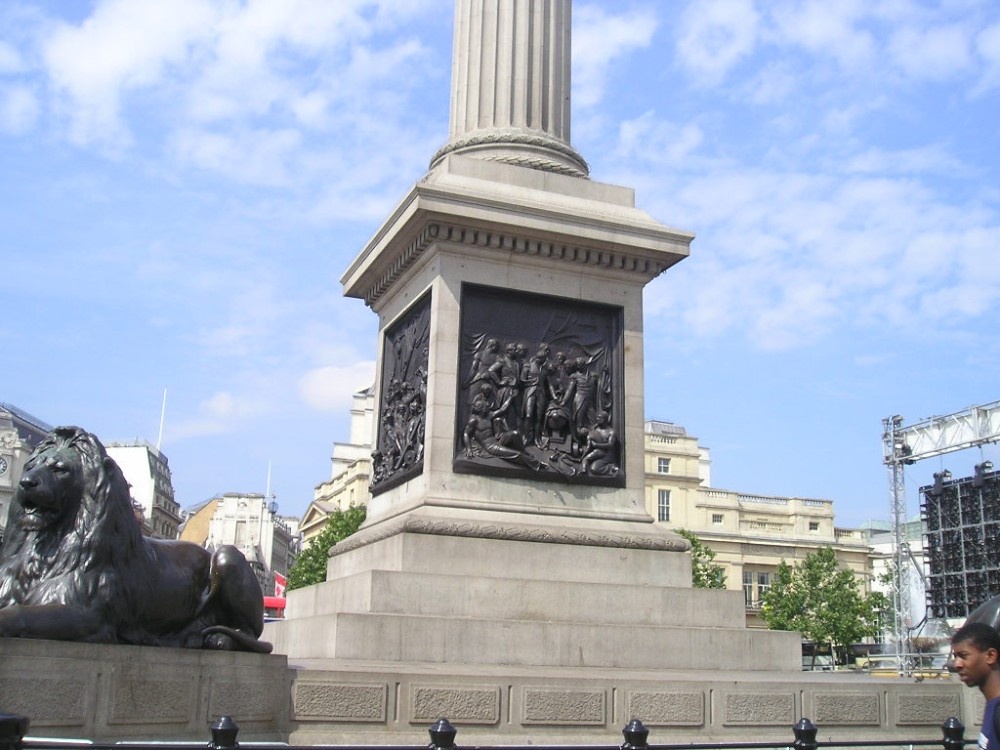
(234, 640)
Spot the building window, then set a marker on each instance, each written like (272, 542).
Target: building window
(663, 505)
(748, 589)
(814, 526)
(662, 465)
(763, 584)
(755, 585)
(717, 518)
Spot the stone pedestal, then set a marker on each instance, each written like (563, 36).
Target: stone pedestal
(523, 608)
(107, 693)
(500, 227)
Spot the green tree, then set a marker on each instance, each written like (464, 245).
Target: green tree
(310, 567)
(822, 601)
(705, 574)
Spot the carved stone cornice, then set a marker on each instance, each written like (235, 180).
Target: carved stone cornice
(501, 241)
(412, 524)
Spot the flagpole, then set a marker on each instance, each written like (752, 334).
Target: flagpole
(163, 414)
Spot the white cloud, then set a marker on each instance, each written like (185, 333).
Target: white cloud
(663, 142)
(260, 66)
(987, 44)
(715, 35)
(330, 388)
(256, 157)
(827, 29)
(18, 109)
(10, 59)
(122, 46)
(219, 414)
(924, 160)
(933, 54)
(774, 83)
(785, 258)
(600, 38)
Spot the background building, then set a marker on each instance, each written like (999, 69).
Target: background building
(351, 469)
(19, 434)
(148, 474)
(269, 542)
(750, 534)
(882, 541)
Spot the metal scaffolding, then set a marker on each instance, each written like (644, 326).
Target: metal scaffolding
(905, 445)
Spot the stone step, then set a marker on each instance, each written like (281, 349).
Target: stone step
(513, 558)
(394, 592)
(458, 640)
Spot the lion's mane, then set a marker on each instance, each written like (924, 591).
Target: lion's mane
(96, 535)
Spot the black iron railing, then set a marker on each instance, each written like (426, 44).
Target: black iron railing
(224, 733)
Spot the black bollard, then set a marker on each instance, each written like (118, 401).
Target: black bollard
(954, 734)
(13, 727)
(224, 732)
(442, 735)
(805, 735)
(636, 736)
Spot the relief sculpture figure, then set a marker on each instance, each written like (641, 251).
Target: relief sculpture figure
(540, 388)
(484, 433)
(399, 452)
(535, 379)
(75, 565)
(600, 454)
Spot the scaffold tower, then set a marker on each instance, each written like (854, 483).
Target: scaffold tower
(905, 445)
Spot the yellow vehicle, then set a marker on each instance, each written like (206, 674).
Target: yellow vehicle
(927, 668)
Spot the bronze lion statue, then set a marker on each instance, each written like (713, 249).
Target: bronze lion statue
(76, 567)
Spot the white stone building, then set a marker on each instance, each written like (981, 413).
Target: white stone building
(750, 534)
(268, 541)
(148, 474)
(351, 468)
(19, 434)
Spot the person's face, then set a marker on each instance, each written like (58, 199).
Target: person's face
(973, 666)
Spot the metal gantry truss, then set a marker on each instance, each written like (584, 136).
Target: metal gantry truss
(903, 445)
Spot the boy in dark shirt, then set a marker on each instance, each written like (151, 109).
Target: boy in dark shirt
(975, 649)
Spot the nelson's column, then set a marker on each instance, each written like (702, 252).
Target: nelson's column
(508, 576)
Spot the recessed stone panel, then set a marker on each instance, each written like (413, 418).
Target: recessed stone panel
(138, 701)
(462, 705)
(47, 702)
(759, 709)
(340, 701)
(926, 709)
(564, 707)
(667, 709)
(252, 699)
(848, 709)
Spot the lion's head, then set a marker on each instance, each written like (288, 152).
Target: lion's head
(71, 501)
(53, 482)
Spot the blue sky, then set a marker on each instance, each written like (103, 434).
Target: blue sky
(183, 182)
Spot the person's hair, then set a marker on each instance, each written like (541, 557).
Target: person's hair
(979, 634)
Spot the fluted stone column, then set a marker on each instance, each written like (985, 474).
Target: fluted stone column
(510, 85)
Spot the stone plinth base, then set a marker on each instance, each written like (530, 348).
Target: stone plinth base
(446, 593)
(550, 634)
(107, 692)
(343, 702)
